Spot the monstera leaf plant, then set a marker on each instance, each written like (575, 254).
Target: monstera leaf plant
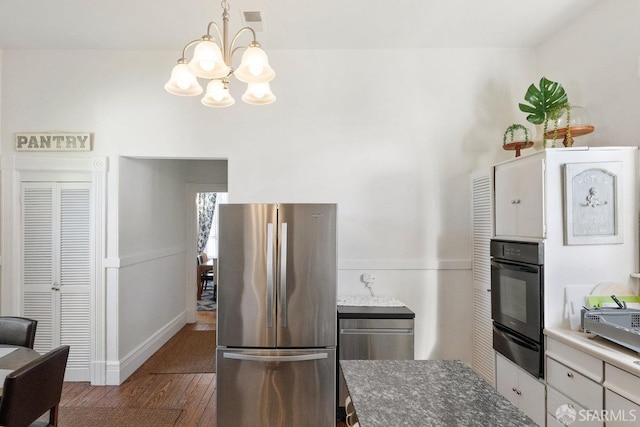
(546, 102)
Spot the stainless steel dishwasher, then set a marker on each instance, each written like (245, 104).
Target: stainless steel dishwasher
(372, 333)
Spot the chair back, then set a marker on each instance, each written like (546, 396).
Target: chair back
(201, 258)
(17, 331)
(34, 389)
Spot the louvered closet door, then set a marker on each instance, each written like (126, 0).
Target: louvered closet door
(56, 268)
(482, 358)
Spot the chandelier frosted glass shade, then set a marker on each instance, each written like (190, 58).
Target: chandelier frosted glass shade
(207, 61)
(254, 67)
(217, 95)
(258, 94)
(183, 82)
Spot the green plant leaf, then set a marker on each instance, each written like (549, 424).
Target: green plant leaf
(549, 96)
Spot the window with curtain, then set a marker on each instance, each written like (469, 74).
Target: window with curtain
(206, 204)
(211, 248)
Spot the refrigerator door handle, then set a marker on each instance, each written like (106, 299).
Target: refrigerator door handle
(256, 358)
(283, 276)
(269, 275)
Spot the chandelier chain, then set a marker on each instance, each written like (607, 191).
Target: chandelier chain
(225, 5)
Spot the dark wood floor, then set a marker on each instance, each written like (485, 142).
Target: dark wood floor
(195, 394)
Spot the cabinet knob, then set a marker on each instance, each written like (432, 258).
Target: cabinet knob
(516, 391)
(489, 290)
(570, 374)
(515, 202)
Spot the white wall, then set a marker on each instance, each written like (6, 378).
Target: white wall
(597, 60)
(390, 135)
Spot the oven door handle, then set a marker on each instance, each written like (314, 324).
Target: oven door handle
(514, 339)
(526, 268)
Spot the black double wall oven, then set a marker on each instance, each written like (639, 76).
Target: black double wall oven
(517, 302)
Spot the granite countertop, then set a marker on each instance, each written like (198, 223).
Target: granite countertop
(422, 393)
(598, 347)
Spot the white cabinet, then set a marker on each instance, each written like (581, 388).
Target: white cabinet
(620, 411)
(519, 198)
(569, 390)
(521, 389)
(574, 385)
(622, 397)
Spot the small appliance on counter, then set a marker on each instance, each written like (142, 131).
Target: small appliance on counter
(620, 325)
(372, 328)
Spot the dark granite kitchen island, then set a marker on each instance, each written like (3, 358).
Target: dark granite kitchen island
(421, 393)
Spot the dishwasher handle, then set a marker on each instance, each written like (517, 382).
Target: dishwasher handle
(376, 331)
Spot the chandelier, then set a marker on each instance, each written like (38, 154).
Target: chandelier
(213, 62)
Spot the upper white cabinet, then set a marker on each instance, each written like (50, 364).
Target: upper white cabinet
(519, 198)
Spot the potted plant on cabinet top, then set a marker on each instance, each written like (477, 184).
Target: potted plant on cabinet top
(519, 138)
(548, 102)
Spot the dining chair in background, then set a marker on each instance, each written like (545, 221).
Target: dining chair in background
(206, 273)
(17, 331)
(34, 389)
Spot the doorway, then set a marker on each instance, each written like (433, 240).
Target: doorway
(207, 204)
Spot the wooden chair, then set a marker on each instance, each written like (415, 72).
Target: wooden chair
(210, 276)
(18, 331)
(206, 273)
(34, 389)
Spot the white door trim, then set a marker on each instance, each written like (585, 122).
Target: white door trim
(27, 166)
(191, 238)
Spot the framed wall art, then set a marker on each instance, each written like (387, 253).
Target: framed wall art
(592, 203)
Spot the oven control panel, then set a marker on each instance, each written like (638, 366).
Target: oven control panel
(526, 252)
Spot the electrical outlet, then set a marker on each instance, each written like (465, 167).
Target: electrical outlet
(368, 278)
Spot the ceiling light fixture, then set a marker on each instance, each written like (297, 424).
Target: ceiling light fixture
(210, 61)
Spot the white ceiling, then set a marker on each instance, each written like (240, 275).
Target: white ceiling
(289, 24)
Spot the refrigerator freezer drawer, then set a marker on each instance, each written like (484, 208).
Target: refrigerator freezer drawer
(276, 388)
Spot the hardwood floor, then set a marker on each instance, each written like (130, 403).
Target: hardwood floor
(195, 394)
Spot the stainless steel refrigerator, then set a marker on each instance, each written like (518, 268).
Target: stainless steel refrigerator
(276, 324)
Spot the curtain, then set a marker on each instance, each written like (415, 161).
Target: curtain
(206, 208)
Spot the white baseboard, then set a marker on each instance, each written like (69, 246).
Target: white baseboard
(118, 371)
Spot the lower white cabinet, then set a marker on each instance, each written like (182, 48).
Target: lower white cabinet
(620, 411)
(521, 389)
(572, 398)
(574, 385)
(586, 391)
(567, 411)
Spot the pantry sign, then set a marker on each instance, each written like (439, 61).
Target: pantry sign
(53, 141)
